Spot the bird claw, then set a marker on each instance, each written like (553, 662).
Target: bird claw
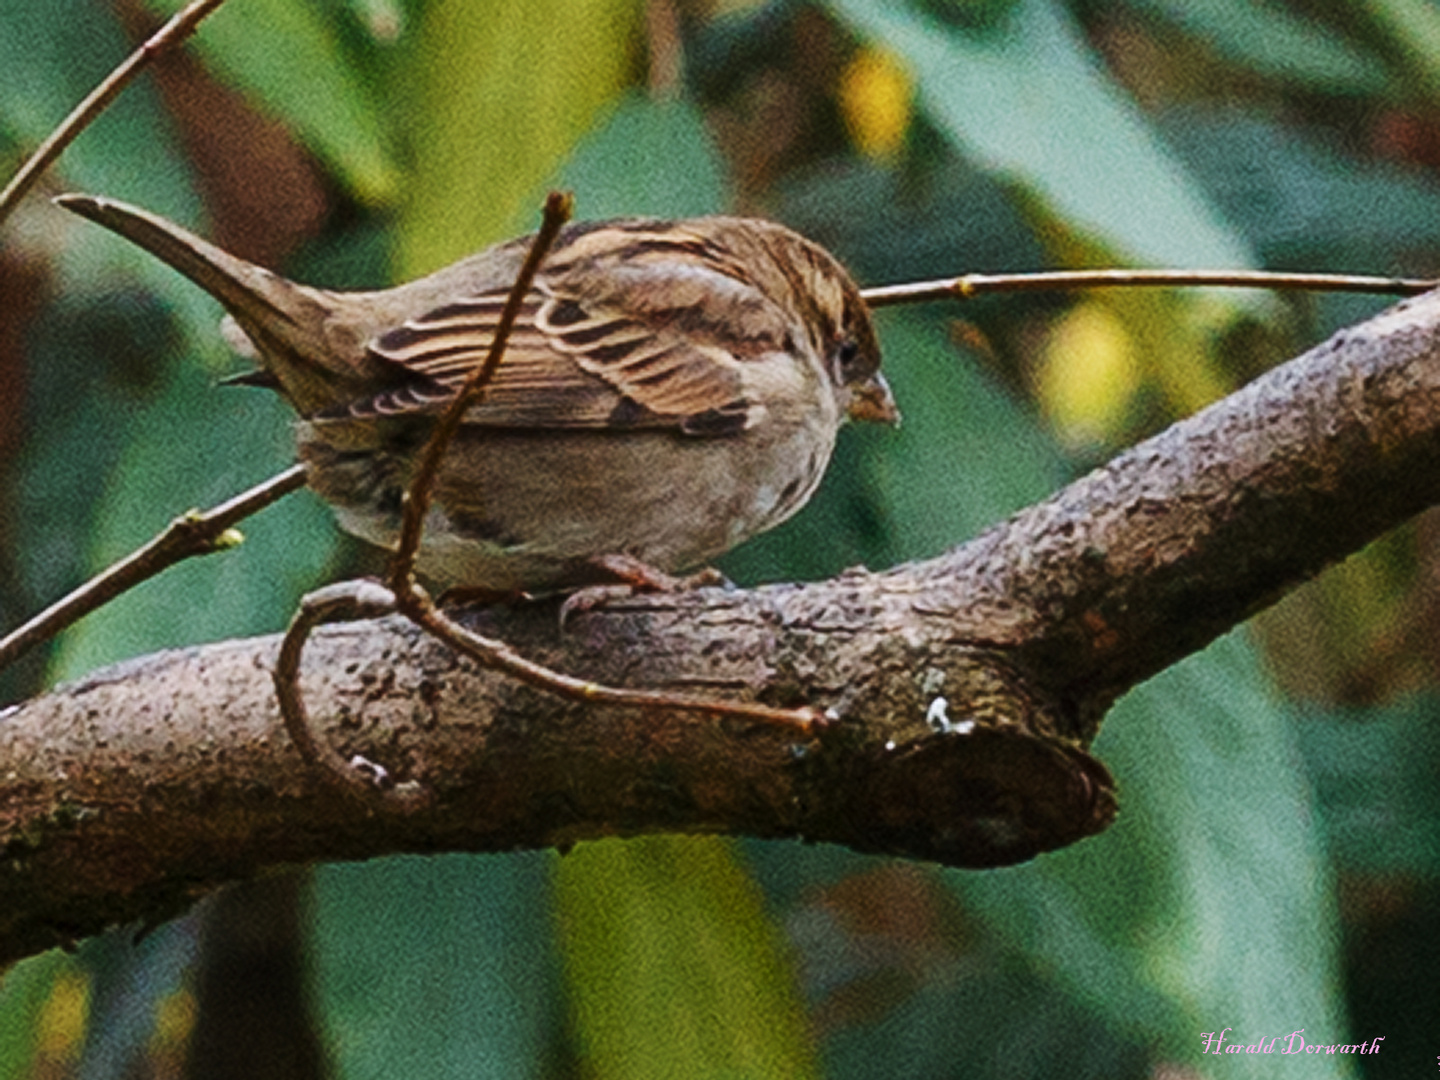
(632, 576)
(591, 597)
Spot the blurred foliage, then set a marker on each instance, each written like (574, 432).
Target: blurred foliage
(436, 967)
(1276, 865)
(673, 967)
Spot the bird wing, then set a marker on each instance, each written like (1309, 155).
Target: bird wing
(570, 362)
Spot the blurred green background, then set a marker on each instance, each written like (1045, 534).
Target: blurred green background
(1276, 864)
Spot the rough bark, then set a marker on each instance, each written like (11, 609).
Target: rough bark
(134, 792)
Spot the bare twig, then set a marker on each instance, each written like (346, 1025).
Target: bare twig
(558, 208)
(342, 602)
(181, 26)
(350, 600)
(971, 285)
(498, 655)
(353, 600)
(188, 535)
(416, 603)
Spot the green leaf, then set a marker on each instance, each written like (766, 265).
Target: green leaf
(1209, 903)
(24, 990)
(965, 456)
(493, 97)
(1026, 98)
(1413, 30)
(436, 967)
(1029, 1026)
(674, 966)
(1298, 199)
(196, 445)
(627, 166)
(1268, 39)
(1302, 203)
(889, 226)
(1375, 780)
(291, 58)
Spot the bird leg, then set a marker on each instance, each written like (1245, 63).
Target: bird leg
(632, 576)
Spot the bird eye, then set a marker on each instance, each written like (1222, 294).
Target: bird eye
(847, 359)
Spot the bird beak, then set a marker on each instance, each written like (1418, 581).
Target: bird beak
(872, 400)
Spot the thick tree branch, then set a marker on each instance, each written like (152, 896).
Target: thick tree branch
(133, 793)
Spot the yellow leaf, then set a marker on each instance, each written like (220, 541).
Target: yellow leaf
(60, 1027)
(1089, 373)
(174, 1022)
(875, 99)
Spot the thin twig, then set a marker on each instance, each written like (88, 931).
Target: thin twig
(558, 208)
(348, 600)
(188, 535)
(970, 285)
(181, 26)
(496, 654)
(361, 599)
(416, 603)
(342, 602)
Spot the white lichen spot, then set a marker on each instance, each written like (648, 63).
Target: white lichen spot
(378, 774)
(938, 719)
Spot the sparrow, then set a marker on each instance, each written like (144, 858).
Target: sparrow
(671, 389)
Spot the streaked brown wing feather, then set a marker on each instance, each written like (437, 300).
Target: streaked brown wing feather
(659, 368)
(567, 365)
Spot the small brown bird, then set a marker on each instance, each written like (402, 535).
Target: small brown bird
(671, 389)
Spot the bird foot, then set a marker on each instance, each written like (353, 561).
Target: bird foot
(632, 576)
